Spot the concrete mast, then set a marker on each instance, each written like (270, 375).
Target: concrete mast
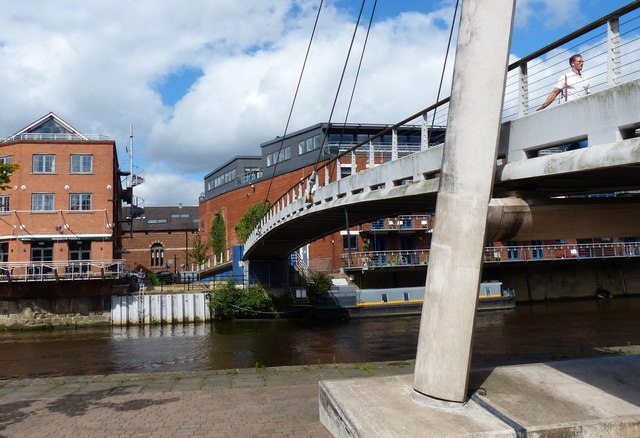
(468, 168)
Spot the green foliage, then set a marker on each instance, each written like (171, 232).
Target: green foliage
(218, 234)
(199, 250)
(154, 279)
(319, 284)
(250, 219)
(5, 174)
(253, 299)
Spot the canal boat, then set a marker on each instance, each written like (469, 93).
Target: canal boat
(347, 301)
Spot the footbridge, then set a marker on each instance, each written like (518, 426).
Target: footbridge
(539, 179)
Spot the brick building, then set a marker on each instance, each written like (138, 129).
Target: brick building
(244, 181)
(160, 239)
(63, 202)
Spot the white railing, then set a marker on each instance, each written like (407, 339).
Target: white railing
(35, 136)
(379, 259)
(610, 46)
(62, 270)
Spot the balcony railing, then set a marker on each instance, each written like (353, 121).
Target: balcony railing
(494, 254)
(61, 270)
(405, 222)
(49, 136)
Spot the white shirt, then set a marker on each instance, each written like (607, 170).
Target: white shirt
(573, 85)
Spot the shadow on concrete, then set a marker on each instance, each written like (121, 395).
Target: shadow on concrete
(74, 405)
(615, 375)
(11, 413)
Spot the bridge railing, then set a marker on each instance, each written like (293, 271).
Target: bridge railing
(610, 47)
(62, 270)
(383, 259)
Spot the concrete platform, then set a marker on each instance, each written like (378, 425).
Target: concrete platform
(577, 398)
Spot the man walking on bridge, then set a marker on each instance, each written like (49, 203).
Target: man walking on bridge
(572, 85)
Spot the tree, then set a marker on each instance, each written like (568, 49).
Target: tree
(250, 219)
(5, 174)
(218, 234)
(199, 250)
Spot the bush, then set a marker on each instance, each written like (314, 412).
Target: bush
(247, 302)
(319, 284)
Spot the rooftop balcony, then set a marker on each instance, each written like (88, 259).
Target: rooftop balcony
(47, 136)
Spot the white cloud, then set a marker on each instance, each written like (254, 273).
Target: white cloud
(163, 186)
(550, 13)
(98, 65)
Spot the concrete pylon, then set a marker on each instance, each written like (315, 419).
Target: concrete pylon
(470, 152)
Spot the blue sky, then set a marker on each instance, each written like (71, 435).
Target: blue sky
(206, 80)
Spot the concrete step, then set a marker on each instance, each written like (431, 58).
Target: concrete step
(578, 398)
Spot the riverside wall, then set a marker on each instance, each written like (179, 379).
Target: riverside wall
(533, 281)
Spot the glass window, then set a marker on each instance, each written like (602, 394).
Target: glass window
(4, 252)
(157, 255)
(301, 148)
(5, 159)
(4, 203)
(80, 201)
(44, 163)
(81, 163)
(42, 201)
(79, 251)
(350, 241)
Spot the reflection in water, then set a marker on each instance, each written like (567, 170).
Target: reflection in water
(558, 330)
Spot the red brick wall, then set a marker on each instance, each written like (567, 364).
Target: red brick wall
(101, 184)
(176, 244)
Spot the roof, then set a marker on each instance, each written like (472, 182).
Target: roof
(52, 127)
(159, 219)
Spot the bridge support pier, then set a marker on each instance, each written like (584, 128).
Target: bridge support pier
(470, 151)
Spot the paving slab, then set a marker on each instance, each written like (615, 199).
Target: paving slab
(598, 397)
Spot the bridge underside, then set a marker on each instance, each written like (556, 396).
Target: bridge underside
(595, 170)
(608, 121)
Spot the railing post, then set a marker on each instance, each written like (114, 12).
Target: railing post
(613, 51)
(354, 163)
(424, 133)
(372, 157)
(523, 91)
(394, 144)
(338, 169)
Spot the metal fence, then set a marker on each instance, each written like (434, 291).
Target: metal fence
(494, 254)
(62, 270)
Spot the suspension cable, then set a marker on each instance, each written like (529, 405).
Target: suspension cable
(444, 66)
(286, 128)
(335, 100)
(355, 82)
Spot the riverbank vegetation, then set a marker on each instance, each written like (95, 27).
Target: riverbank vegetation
(229, 302)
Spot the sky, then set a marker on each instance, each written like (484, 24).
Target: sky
(202, 81)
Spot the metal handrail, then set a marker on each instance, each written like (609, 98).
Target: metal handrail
(618, 45)
(50, 136)
(62, 270)
(494, 254)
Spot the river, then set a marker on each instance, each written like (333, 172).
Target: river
(529, 332)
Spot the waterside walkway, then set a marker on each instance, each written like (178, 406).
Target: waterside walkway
(265, 402)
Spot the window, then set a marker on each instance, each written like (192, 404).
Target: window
(251, 173)
(44, 163)
(279, 156)
(79, 251)
(345, 170)
(157, 254)
(350, 241)
(513, 250)
(4, 252)
(176, 216)
(157, 221)
(41, 252)
(5, 159)
(537, 252)
(406, 296)
(385, 298)
(4, 203)
(80, 201)
(42, 201)
(81, 163)
(222, 179)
